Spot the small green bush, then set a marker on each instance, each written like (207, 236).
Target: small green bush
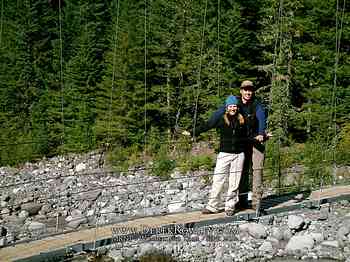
(121, 158)
(162, 167)
(343, 148)
(200, 162)
(314, 156)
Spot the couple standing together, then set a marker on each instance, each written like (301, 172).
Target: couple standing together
(241, 123)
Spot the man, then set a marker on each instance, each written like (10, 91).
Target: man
(254, 115)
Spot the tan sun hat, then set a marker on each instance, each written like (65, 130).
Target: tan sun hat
(247, 83)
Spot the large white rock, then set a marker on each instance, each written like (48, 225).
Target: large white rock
(80, 167)
(31, 208)
(76, 222)
(330, 243)
(37, 227)
(176, 207)
(146, 248)
(3, 241)
(277, 233)
(295, 222)
(318, 237)
(266, 247)
(23, 214)
(257, 230)
(300, 243)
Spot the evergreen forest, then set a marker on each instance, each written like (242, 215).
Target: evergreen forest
(127, 75)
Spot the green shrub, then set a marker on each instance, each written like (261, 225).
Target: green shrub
(200, 162)
(155, 142)
(314, 156)
(121, 158)
(343, 148)
(162, 167)
(203, 162)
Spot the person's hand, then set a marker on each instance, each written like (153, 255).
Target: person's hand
(186, 133)
(268, 135)
(260, 138)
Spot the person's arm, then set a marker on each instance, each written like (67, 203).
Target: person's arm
(260, 115)
(214, 118)
(212, 121)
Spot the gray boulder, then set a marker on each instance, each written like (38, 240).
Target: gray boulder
(146, 248)
(76, 222)
(266, 247)
(36, 228)
(257, 230)
(287, 234)
(32, 208)
(23, 214)
(277, 233)
(330, 243)
(295, 222)
(300, 243)
(3, 241)
(318, 237)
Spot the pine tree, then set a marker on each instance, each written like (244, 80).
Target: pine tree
(83, 72)
(28, 72)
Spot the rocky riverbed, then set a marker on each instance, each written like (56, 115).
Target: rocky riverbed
(74, 192)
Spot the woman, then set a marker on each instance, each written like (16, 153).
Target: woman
(229, 163)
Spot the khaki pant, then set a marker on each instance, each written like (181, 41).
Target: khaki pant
(254, 163)
(257, 183)
(227, 166)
